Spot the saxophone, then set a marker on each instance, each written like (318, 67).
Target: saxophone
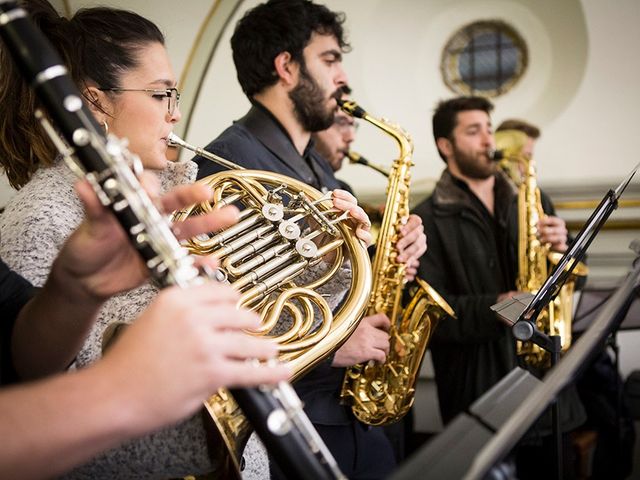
(381, 394)
(535, 258)
(356, 158)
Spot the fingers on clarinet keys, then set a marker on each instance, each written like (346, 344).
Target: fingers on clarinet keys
(282, 420)
(272, 364)
(278, 422)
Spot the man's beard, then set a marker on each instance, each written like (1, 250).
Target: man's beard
(473, 166)
(309, 102)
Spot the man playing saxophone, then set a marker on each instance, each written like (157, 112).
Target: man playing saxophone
(610, 455)
(333, 143)
(333, 146)
(552, 227)
(471, 220)
(288, 57)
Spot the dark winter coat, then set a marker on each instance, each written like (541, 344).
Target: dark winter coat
(470, 260)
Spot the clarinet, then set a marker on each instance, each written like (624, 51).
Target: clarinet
(275, 412)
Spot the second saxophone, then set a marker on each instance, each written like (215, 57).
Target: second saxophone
(381, 394)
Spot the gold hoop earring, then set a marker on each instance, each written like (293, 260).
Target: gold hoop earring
(105, 125)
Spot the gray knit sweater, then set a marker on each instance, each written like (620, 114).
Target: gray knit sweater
(33, 227)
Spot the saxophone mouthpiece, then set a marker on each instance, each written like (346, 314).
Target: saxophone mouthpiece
(351, 108)
(355, 157)
(495, 155)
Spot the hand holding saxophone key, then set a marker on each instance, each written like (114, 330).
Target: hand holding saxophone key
(553, 230)
(411, 245)
(370, 341)
(411, 271)
(344, 201)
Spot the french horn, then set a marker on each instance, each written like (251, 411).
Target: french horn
(287, 252)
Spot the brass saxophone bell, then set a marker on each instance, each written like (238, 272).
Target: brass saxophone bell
(510, 143)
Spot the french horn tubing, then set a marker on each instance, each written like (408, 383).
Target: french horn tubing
(284, 253)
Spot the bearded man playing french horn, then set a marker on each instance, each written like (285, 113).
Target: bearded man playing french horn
(288, 57)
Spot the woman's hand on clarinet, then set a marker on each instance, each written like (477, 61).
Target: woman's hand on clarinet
(98, 260)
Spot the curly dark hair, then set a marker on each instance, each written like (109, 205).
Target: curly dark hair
(274, 27)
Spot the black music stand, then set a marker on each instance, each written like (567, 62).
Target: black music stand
(449, 455)
(522, 313)
(589, 305)
(464, 451)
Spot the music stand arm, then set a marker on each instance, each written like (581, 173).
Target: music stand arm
(558, 378)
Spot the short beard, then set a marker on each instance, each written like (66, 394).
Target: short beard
(308, 103)
(472, 167)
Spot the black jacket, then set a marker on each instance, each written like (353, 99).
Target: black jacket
(15, 292)
(471, 259)
(468, 266)
(258, 141)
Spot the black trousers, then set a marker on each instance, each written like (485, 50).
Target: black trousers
(362, 452)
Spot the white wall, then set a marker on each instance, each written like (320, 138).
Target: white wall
(580, 86)
(570, 88)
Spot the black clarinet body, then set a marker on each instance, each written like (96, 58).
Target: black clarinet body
(106, 163)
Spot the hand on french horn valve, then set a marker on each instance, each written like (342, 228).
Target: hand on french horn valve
(99, 256)
(199, 334)
(183, 196)
(344, 201)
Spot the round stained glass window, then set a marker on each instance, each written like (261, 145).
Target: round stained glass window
(484, 58)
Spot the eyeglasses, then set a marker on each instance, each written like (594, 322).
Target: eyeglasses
(171, 93)
(345, 123)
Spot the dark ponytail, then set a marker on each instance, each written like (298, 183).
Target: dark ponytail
(97, 45)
